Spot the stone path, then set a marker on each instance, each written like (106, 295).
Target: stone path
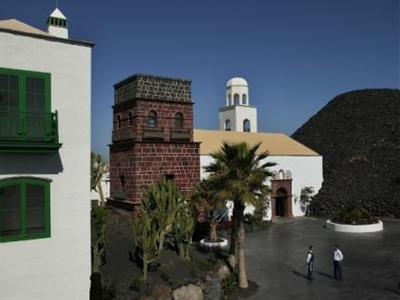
(275, 260)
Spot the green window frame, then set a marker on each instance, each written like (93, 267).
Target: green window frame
(25, 211)
(23, 76)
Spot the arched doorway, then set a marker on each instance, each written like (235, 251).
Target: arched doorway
(281, 198)
(281, 203)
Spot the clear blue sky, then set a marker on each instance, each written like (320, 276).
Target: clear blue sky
(295, 54)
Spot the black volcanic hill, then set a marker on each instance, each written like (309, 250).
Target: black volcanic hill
(358, 134)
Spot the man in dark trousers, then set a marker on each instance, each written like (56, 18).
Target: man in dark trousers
(337, 262)
(310, 263)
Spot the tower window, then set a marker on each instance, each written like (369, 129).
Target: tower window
(244, 99)
(228, 125)
(130, 119)
(236, 99)
(119, 122)
(152, 119)
(246, 125)
(178, 120)
(229, 99)
(122, 182)
(169, 177)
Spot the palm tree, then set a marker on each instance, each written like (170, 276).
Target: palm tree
(205, 198)
(98, 167)
(240, 173)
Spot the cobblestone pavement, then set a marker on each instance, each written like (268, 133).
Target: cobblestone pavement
(275, 260)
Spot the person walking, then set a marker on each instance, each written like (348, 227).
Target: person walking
(310, 263)
(337, 262)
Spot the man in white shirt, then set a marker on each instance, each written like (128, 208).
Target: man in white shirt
(337, 262)
(310, 263)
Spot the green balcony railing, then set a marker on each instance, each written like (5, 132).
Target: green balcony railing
(28, 131)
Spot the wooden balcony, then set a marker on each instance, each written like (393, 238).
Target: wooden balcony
(181, 134)
(153, 134)
(123, 134)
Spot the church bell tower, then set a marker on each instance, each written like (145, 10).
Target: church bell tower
(238, 114)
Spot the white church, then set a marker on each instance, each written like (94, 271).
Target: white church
(45, 93)
(296, 167)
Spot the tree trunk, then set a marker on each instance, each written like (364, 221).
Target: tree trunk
(145, 267)
(161, 242)
(232, 249)
(213, 231)
(243, 283)
(101, 195)
(238, 210)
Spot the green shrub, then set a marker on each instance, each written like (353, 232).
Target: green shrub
(230, 285)
(137, 284)
(354, 215)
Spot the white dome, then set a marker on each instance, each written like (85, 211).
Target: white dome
(235, 81)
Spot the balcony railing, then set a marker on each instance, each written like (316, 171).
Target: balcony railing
(28, 131)
(122, 134)
(153, 133)
(180, 134)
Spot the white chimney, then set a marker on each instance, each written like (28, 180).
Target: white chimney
(57, 24)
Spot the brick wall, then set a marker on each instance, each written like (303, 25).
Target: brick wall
(132, 117)
(144, 163)
(141, 154)
(154, 88)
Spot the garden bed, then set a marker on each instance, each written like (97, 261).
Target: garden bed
(354, 228)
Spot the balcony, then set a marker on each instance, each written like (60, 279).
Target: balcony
(153, 134)
(180, 134)
(123, 134)
(28, 132)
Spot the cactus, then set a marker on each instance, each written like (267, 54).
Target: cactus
(161, 199)
(183, 228)
(146, 235)
(99, 217)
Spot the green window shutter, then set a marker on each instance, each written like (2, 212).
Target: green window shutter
(24, 209)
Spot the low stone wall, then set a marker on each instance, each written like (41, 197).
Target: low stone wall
(354, 228)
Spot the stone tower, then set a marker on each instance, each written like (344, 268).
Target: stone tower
(152, 137)
(238, 114)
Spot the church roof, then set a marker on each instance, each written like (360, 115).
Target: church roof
(15, 25)
(277, 144)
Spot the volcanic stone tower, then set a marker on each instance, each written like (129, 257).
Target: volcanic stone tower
(152, 137)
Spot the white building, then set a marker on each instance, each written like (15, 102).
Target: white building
(297, 166)
(45, 91)
(238, 114)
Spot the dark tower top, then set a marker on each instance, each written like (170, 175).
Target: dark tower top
(141, 86)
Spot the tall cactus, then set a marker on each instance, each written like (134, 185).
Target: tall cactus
(183, 228)
(161, 200)
(146, 235)
(99, 218)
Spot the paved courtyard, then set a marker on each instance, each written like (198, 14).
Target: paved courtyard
(275, 260)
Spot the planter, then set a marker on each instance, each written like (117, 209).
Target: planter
(219, 244)
(354, 228)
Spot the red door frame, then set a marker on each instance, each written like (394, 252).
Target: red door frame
(277, 184)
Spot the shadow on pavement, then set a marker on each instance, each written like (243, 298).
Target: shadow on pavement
(325, 274)
(297, 273)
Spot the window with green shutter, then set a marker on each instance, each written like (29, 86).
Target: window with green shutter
(26, 120)
(24, 209)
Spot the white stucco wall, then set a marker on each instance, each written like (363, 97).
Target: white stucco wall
(306, 171)
(57, 267)
(236, 89)
(237, 114)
